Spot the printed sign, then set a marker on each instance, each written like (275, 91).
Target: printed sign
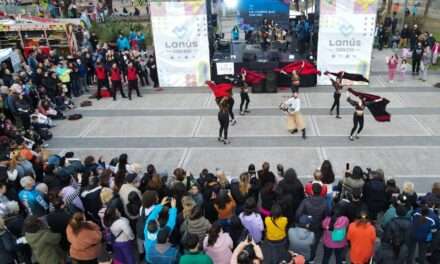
(225, 68)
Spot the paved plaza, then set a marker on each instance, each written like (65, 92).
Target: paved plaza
(178, 127)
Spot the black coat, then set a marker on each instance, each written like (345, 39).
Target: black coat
(375, 197)
(57, 222)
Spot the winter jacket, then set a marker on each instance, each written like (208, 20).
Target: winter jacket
(132, 74)
(362, 238)
(198, 227)
(221, 251)
(33, 201)
(293, 193)
(45, 246)
(124, 192)
(7, 247)
(115, 74)
(163, 253)
(422, 230)
(375, 196)
(57, 222)
(92, 202)
(300, 241)
(253, 224)
(100, 73)
(122, 44)
(151, 237)
(315, 206)
(275, 228)
(198, 257)
(341, 223)
(86, 244)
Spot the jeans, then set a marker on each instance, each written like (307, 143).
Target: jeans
(223, 130)
(339, 255)
(315, 244)
(230, 107)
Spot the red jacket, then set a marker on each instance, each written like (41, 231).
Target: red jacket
(131, 74)
(115, 74)
(100, 73)
(309, 192)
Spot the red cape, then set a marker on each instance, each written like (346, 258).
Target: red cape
(303, 67)
(221, 89)
(252, 77)
(377, 109)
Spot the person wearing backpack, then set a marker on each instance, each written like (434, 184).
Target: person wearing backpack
(149, 201)
(8, 245)
(395, 239)
(334, 236)
(316, 207)
(128, 190)
(121, 237)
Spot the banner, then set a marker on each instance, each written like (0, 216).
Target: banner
(346, 36)
(181, 45)
(252, 12)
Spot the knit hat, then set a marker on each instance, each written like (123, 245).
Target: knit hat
(27, 181)
(305, 220)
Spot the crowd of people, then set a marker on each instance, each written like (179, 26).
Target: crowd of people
(58, 209)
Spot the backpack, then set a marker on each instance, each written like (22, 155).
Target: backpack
(140, 224)
(397, 236)
(338, 234)
(134, 203)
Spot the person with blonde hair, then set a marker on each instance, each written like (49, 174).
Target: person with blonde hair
(188, 204)
(241, 190)
(222, 179)
(409, 191)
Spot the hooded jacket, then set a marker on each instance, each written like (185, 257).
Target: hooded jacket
(46, 246)
(341, 222)
(300, 241)
(315, 206)
(86, 245)
(198, 227)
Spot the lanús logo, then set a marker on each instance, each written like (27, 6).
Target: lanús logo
(346, 29)
(180, 31)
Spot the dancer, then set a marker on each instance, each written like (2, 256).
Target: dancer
(348, 76)
(376, 104)
(337, 84)
(132, 80)
(295, 70)
(100, 76)
(223, 91)
(115, 78)
(223, 119)
(244, 93)
(295, 120)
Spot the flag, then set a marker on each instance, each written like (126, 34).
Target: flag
(252, 77)
(221, 89)
(377, 109)
(303, 67)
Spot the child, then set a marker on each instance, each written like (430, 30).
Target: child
(403, 69)
(392, 67)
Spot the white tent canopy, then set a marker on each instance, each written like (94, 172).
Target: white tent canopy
(10, 54)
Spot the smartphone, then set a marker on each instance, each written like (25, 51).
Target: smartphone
(249, 238)
(347, 166)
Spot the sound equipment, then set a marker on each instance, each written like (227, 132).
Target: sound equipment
(271, 85)
(249, 57)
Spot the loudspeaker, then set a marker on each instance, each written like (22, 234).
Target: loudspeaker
(249, 57)
(258, 88)
(271, 82)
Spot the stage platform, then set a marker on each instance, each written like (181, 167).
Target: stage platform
(253, 57)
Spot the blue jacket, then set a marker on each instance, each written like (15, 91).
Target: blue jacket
(150, 238)
(169, 256)
(122, 43)
(33, 201)
(423, 232)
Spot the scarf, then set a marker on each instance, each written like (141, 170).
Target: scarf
(377, 109)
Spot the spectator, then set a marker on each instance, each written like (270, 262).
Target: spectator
(247, 252)
(290, 190)
(251, 220)
(32, 199)
(317, 176)
(334, 237)
(162, 251)
(301, 238)
(44, 243)
(375, 195)
(85, 239)
(316, 207)
(131, 196)
(218, 245)
(193, 254)
(196, 224)
(362, 236)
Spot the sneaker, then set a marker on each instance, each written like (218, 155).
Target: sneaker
(233, 122)
(331, 112)
(220, 139)
(350, 138)
(247, 111)
(294, 131)
(226, 142)
(356, 137)
(304, 136)
(338, 117)
(242, 113)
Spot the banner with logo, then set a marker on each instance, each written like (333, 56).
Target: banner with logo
(181, 45)
(346, 36)
(252, 12)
